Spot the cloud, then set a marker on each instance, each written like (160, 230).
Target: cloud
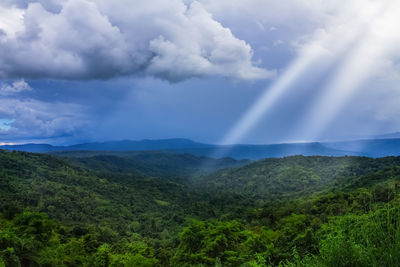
(99, 39)
(37, 119)
(278, 42)
(102, 39)
(14, 88)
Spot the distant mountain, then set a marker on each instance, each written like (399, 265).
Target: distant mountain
(31, 147)
(371, 148)
(253, 152)
(127, 145)
(191, 147)
(386, 136)
(124, 145)
(390, 135)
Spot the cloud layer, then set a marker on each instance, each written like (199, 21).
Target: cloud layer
(99, 39)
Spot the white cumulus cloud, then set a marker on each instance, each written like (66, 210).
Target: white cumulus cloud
(99, 39)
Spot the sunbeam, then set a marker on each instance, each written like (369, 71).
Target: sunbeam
(326, 47)
(269, 98)
(352, 73)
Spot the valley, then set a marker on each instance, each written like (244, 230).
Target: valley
(164, 209)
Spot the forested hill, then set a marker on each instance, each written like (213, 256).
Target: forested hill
(295, 211)
(77, 195)
(300, 175)
(153, 163)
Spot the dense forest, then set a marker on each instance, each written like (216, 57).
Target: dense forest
(160, 209)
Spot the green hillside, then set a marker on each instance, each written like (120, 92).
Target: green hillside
(153, 163)
(295, 211)
(299, 176)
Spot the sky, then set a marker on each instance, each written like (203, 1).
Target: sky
(227, 71)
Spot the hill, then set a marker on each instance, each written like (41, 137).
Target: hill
(76, 195)
(300, 176)
(153, 163)
(294, 211)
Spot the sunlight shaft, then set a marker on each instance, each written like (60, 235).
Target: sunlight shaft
(352, 74)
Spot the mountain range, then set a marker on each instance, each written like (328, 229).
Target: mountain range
(367, 147)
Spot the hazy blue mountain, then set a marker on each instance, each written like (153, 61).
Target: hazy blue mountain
(127, 145)
(371, 148)
(31, 147)
(124, 145)
(255, 152)
(384, 136)
(198, 149)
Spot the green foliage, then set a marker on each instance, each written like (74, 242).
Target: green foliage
(295, 211)
(152, 163)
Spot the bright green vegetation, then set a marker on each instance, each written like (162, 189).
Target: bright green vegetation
(295, 211)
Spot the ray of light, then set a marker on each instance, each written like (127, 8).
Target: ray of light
(309, 56)
(267, 99)
(353, 73)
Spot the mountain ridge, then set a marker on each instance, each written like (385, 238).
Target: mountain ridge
(362, 147)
